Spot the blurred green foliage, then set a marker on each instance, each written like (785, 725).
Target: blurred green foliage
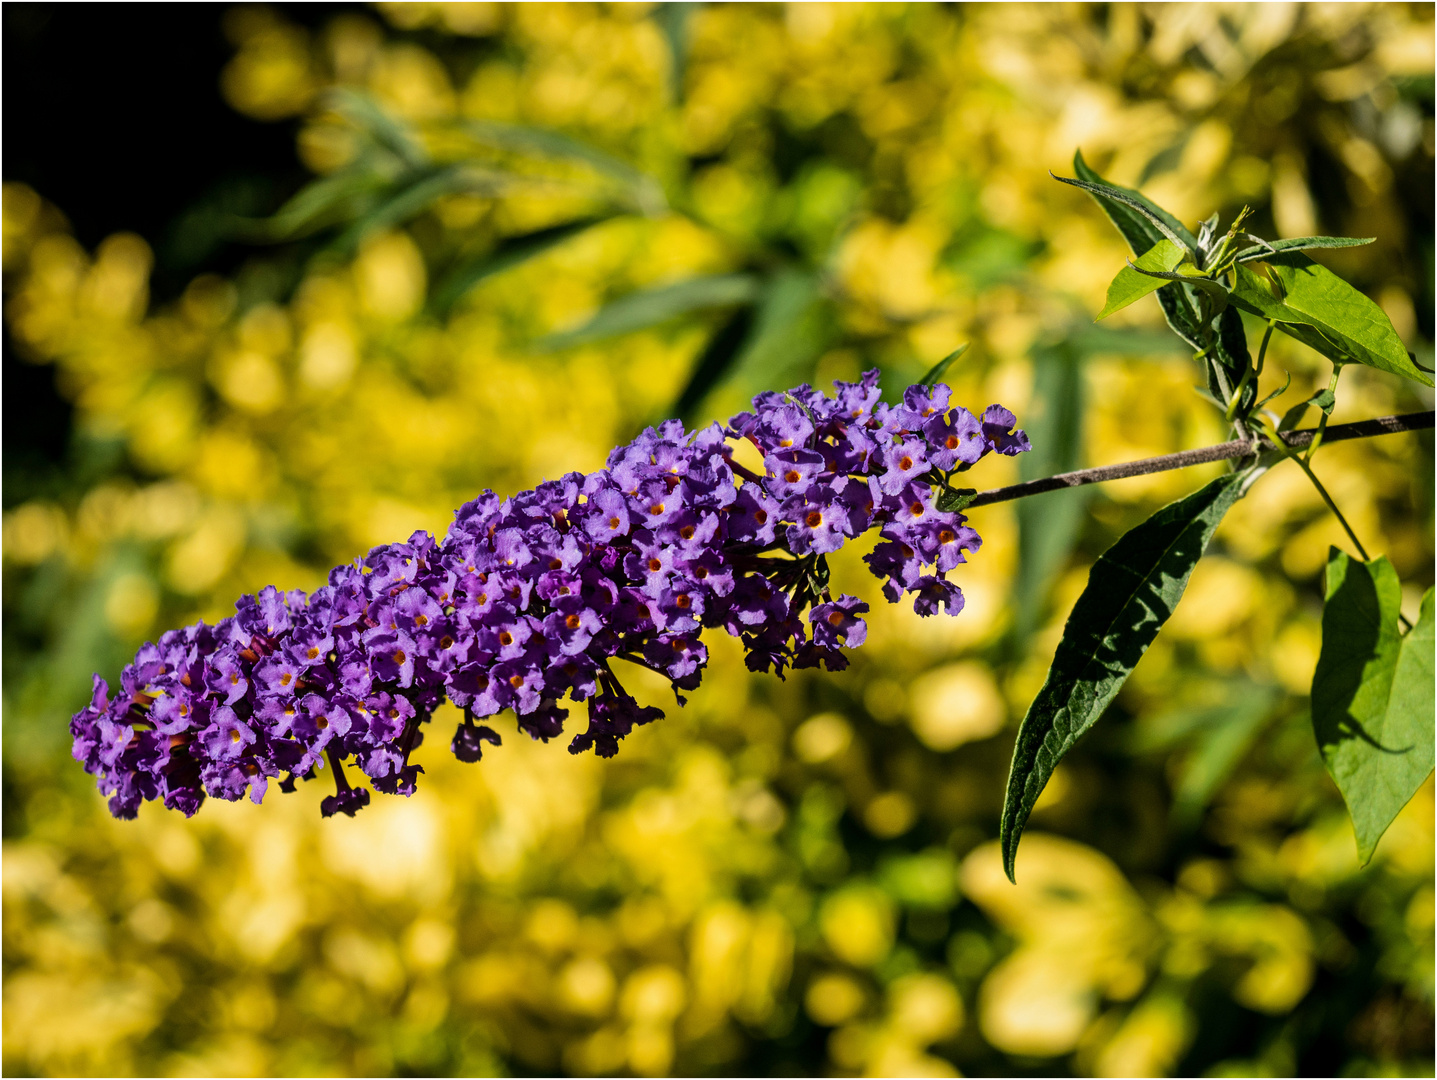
(535, 228)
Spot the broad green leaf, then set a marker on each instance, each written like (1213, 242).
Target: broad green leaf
(1372, 694)
(1048, 524)
(1321, 310)
(1132, 590)
(1130, 285)
(936, 371)
(512, 252)
(715, 362)
(1305, 243)
(640, 310)
(1158, 221)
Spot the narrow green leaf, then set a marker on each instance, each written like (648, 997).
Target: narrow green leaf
(1114, 194)
(1374, 732)
(1140, 233)
(640, 310)
(1048, 524)
(715, 363)
(1376, 724)
(1138, 205)
(1179, 309)
(1326, 313)
(511, 252)
(1132, 590)
(1130, 285)
(1305, 243)
(936, 371)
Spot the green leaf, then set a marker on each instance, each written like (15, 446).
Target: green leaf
(951, 500)
(1158, 221)
(1179, 309)
(1324, 312)
(936, 371)
(640, 310)
(511, 252)
(1305, 243)
(1130, 285)
(1132, 590)
(1214, 290)
(1372, 694)
(715, 362)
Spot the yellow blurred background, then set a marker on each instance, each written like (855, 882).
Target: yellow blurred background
(782, 878)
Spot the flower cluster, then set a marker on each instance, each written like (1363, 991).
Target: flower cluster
(528, 599)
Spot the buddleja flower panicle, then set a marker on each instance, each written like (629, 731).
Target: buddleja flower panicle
(528, 600)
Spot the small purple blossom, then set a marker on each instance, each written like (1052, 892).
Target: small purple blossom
(529, 600)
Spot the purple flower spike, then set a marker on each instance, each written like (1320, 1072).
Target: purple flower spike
(531, 599)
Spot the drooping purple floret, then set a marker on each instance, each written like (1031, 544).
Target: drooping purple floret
(528, 600)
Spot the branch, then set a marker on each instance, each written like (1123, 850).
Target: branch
(1238, 448)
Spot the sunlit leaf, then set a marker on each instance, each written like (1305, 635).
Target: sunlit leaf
(640, 310)
(1132, 590)
(1130, 285)
(1372, 694)
(1321, 310)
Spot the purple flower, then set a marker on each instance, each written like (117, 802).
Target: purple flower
(997, 425)
(531, 599)
(837, 623)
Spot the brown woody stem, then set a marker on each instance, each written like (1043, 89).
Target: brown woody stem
(1238, 448)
